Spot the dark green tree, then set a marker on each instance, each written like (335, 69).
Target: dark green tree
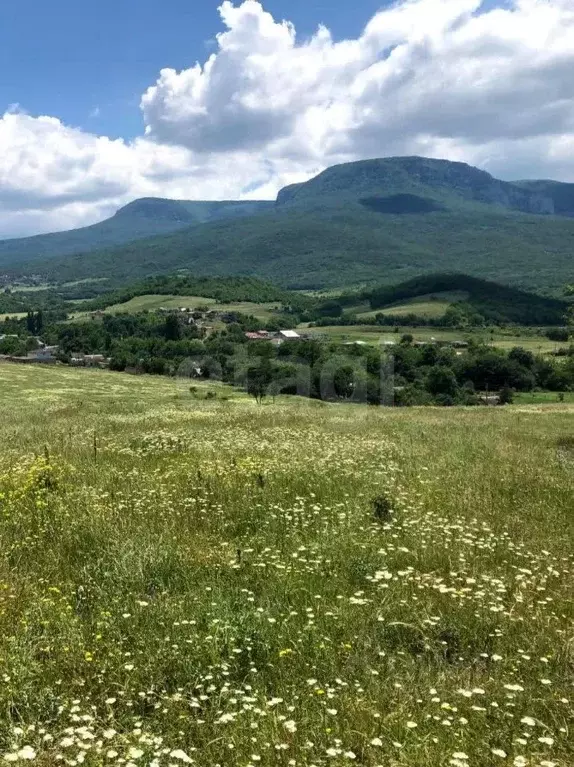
(259, 378)
(506, 396)
(441, 381)
(172, 328)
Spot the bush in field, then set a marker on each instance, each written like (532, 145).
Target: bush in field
(506, 396)
(558, 334)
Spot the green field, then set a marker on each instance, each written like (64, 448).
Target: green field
(431, 307)
(28, 288)
(543, 397)
(12, 315)
(155, 302)
(215, 582)
(88, 281)
(374, 335)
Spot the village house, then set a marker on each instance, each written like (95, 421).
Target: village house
(289, 335)
(276, 338)
(46, 355)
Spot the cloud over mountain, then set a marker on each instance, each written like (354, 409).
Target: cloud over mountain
(444, 78)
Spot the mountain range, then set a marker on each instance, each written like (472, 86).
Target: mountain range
(139, 219)
(387, 220)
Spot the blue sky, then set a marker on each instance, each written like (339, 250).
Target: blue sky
(89, 61)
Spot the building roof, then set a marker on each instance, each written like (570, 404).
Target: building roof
(289, 334)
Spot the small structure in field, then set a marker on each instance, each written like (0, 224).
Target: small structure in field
(489, 399)
(89, 360)
(43, 354)
(95, 360)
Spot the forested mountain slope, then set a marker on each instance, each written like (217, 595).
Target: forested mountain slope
(386, 220)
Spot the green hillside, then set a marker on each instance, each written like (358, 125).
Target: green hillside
(221, 289)
(380, 220)
(494, 302)
(346, 245)
(429, 297)
(455, 184)
(140, 219)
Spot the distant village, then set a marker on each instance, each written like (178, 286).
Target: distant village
(45, 354)
(205, 319)
(49, 355)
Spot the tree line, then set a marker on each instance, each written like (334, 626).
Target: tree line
(404, 374)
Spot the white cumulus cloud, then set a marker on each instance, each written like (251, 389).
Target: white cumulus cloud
(425, 76)
(442, 78)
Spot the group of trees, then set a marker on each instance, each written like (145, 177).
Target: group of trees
(481, 301)
(404, 374)
(474, 303)
(23, 302)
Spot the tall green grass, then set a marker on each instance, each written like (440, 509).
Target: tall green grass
(213, 582)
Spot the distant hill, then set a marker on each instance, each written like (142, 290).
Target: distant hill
(139, 219)
(222, 289)
(454, 184)
(494, 302)
(377, 220)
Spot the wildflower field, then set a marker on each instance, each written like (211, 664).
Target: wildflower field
(212, 582)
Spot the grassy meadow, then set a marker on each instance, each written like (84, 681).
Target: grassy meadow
(263, 311)
(507, 339)
(207, 581)
(433, 306)
(434, 309)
